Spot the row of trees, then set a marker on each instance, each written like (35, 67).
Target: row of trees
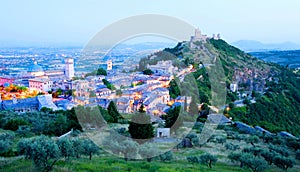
(131, 149)
(45, 152)
(258, 160)
(263, 150)
(206, 159)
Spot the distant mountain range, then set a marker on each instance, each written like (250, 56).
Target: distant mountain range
(255, 46)
(134, 46)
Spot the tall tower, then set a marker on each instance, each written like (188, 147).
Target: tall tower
(69, 68)
(218, 36)
(109, 65)
(198, 33)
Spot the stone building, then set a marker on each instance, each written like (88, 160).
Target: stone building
(69, 68)
(28, 104)
(164, 67)
(40, 84)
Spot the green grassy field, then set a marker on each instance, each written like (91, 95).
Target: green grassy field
(108, 163)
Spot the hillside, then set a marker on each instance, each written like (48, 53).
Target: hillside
(275, 109)
(275, 89)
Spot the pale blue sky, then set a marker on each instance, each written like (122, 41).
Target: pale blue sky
(76, 21)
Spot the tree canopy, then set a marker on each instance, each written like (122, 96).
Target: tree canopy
(140, 126)
(148, 72)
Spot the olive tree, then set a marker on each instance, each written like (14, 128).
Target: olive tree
(283, 162)
(269, 156)
(208, 159)
(256, 164)
(129, 148)
(166, 156)
(281, 150)
(254, 150)
(148, 151)
(6, 142)
(42, 150)
(249, 161)
(252, 140)
(66, 148)
(89, 148)
(192, 159)
(230, 146)
(4, 146)
(193, 137)
(118, 144)
(24, 147)
(221, 139)
(235, 157)
(77, 147)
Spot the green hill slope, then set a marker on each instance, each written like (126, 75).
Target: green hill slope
(276, 88)
(278, 108)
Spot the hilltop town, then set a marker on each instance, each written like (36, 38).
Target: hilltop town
(60, 89)
(172, 92)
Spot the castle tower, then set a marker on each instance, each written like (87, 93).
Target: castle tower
(69, 68)
(198, 34)
(109, 65)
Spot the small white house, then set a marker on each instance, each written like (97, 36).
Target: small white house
(163, 132)
(234, 87)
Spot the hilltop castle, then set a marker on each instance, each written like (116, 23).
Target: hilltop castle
(199, 37)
